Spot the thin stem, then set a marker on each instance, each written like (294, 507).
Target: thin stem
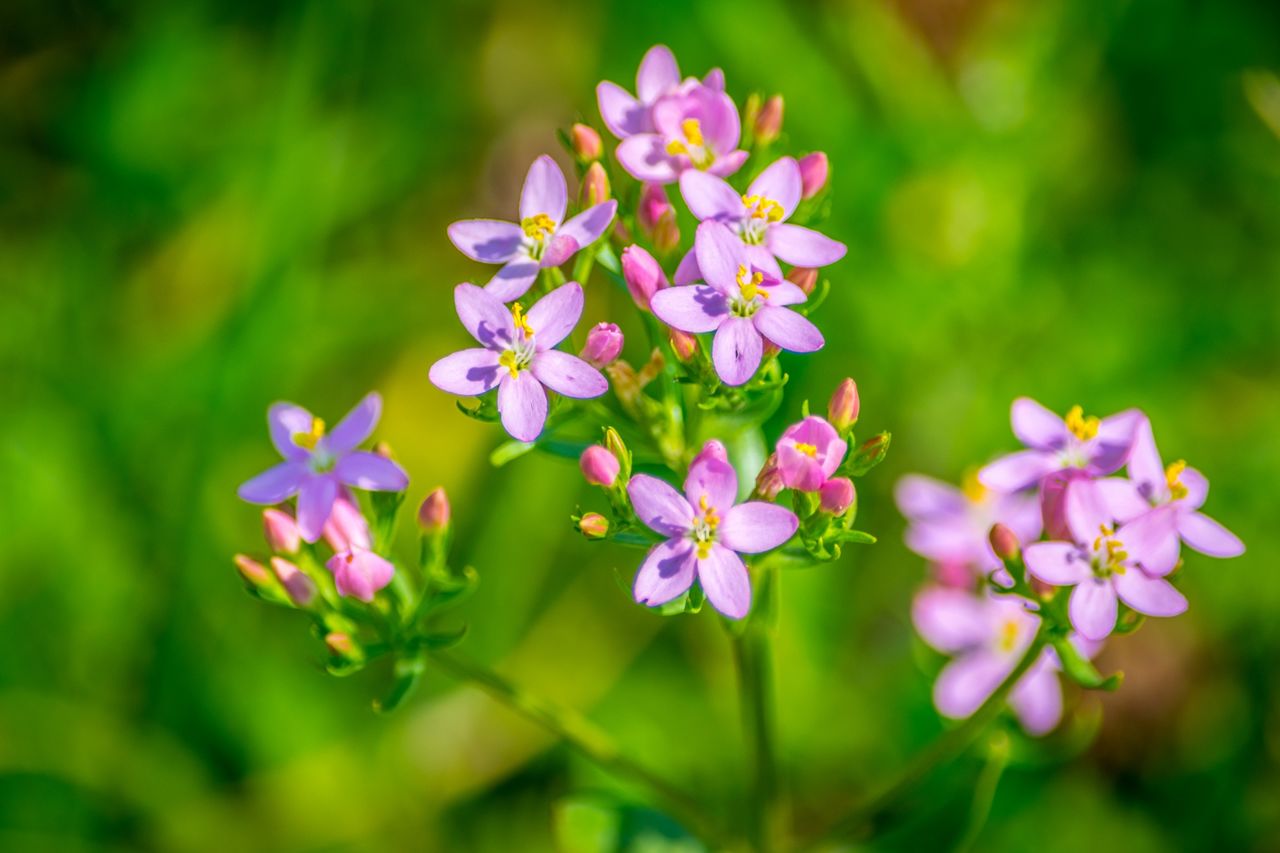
(984, 792)
(584, 736)
(877, 812)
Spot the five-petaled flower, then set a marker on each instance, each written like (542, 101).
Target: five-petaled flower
(809, 452)
(318, 463)
(659, 75)
(541, 239)
(518, 356)
(739, 303)
(360, 573)
(706, 530)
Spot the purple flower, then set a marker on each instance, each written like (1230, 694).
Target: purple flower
(809, 452)
(627, 115)
(517, 356)
(988, 635)
(742, 305)
(950, 526)
(705, 532)
(759, 218)
(695, 127)
(317, 464)
(1106, 563)
(360, 573)
(541, 239)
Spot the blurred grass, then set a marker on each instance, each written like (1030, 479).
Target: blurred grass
(205, 207)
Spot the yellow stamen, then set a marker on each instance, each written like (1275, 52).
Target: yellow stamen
(1081, 427)
(972, 487)
(693, 145)
(750, 287)
(508, 360)
(1115, 556)
(763, 208)
(309, 440)
(521, 320)
(1171, 474)
(538, 226)
(692, 131)
(1008, 635)
(807, 449)
(709, 513)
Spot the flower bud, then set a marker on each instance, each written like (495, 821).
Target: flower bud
(805, 278)
(586, 142)
(751, 112)
(253, 572)
(713, 449)
(593, 525)
(595, 185)
(1005, 543)
(643, 274)
(769, 121)
(433, 515)
(604, 344)
(618, 448)
(624, 382)
(769, 480)
(666, 234)
(813, 173)
(300, 588)
(281, 531)
(339, 644)
(836, 495)
(346, 527)
(843, 409)
(599, 466)
(383, 449)
(654, 204)
(683, 344)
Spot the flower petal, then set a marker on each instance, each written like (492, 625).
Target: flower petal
(1036, 426)
(484, 316)
(622, 113)
(284, 421)
(696, 308)
(1121, 497)
(780, 182)
(544, 191)
(468, 373)
(645, 158)
(1086, 511)
(951, 620)
(559, 249)
(658, 74)
(920, 497)
(1037, 699)
(274, 484)
(1208, 536)
(1110, 449)
(357, 426)
(757, 526)
(1152, 540)
(514, 279)
(489, 241)
(666, 573)
(1057, 563)
(687, 270)
(523, 405)
(1145, 467)
(1017, 470)
(966, 682)
(587, 226)
(709, 197)
(726, 164)
(781, 292)
(1092, 608)
(720, 255)
(1152, 596)
(725, 581)
(568, 375)
(315, 501)
(736, 350)
(659, 505)
(713, 481)
(1197, 486)
(553, 316)
(787, 329)
(802, 246)
(365, 470)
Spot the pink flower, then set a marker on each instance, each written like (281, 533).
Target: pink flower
(628, 115)
(809, 452)
(360, 573)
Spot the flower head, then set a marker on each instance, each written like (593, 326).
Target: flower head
(706, 530)
(541, 239)
(626, 114)
(360, 573)
(518, 356)
(319, 462)
(809, 452)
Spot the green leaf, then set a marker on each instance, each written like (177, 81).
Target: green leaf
(509, 451)
(407, 671)
(1081, 670)
(858, 537)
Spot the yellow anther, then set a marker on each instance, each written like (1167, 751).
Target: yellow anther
(508, 360)
(761, 207)
(972, 487)
(807, 449)
(692, 131)
(538, 226)
(694, 146)
(1008, 635)
(520, 320)
(1115, 556)
(709, 514)
(1171, 476)
(310, 439)
(750, 285)
(1081, 427)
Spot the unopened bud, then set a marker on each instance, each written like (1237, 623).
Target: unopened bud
(814, 170)
(836, 495)
(618, 448)
(713, 449)
(654, 204)
(593, 525)
(300, 588)
(769, 480)
(683, 344)
(870, 454)
(1005, 543)
(599, 466)
(281, 531)
(805, 278)
(595, 185)
(604, 344)
(842, 411)
(253, 572)
(666, 234)
(433, 515)
(346, 527)
(624, 382)
(769, 122)
(340, 645)
(751, 112)
(586, 142)
(643, 274)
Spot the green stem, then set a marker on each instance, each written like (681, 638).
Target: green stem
(879, 811)
(984, 792)
(584, 736)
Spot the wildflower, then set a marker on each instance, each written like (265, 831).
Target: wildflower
(759, 218)
(318, 463)
(434, 514)
(599, 466)
(541, 239)
(740, 303)
(695, 128)
(346, 526)
(836, 495)
(654, 206)
(604, 344)
(814, 169)
(517, 356)
(626, 115)
(360, 573)
(809, 452)
(705, 533)
(643, 275)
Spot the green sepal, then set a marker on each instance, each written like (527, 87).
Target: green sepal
(870, 454)
(486, 409)
(406, 672)
(1081, 670)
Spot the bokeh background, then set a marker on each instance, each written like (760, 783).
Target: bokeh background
(206, 206)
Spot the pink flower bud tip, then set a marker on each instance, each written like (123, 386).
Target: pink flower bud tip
(1005, 543)
(599, 466)
(433, 515)
(813, 173)
(713, 449)
(805, 278)
(604, 344)
(683, 344)
(769, 480)
(346, 527)
(595, 185)
(769, 121)
(300, 588)
(654, 204)
(844, 407)
(253, 572)
(339, 644)
(360, 573)
(593, 525)
(281, 531)
(586, 142)
(836, 495)
(643, 274)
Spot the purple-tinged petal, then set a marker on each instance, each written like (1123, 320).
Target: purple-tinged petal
(1092, 608)
(780, 182)
(712, 482)
(553, 316)
(951, 620)
(920, 497)
(966, 682)
(802, 246)
(1145, 468)
(360, 573)
(274, 484)
(1017, 471)
(559, 249)
(1208, 536)
(1121, 497)
(1197, 486)
(1152, 540)
(1057, 563)
(696, 308)
(1152, 596)
(284, 421)
(736, 350)
(725, 581)
(1036, 426)
(544, 191)
(787, 329)
(782, 292)
(645, 158)
(513, 280)
(709, 197)
(658, 74)
(762, 260)
(315, 501)
(1021, 514)
(720, 255)
(622, 113)
(1086, 511)
(687, 270)
(484, 316)
(586, 227)
(659, 505)
(1037, 699)
(726, 164)
(357, 426)
(568, 375)
(365, 470)
(489, 241)
(720, 123)
(666, 573)
(757, 526)
(468, 373)
(523, 405)
(714, 79)
(1109, 450)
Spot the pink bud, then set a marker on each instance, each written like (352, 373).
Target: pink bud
(253, 572)
(1005, 543)
(643, 274)
(713, 449)
(360, 573)
(593, 525)
(604, 344)
(433, 515)
(300, 588)
(586, 142)
(683, 344)
(769, 121)
(813, 173)
(346, 527)
(843, 409)
(805, 278)
(599, 466)
(836, 495)
(595, 185)
(666, 234)
(281, 531)
(769, 481)
(654, 205)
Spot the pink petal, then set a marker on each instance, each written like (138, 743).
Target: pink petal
(711, 480)
(586, 227)
(468, 373)
(787, 329)
(559, 249)
(1208, 536)
(802, 246)
(966, 682)
(1197, 486)
(1110, 449)
(714, 79)
(921, 497)
(781, 292)
(687, 270)
(1057, 563)
(951, 620)
(513, 280)
(1017, 470)
(645, 158)
(666, 573)
(284, 421)
(315, 501)
(1092, 609)
(658, 74)
(1121, 498)
(659, 506)
(780, 182)
(568, 375)
(1145, 467)
(724, 579)
(720, 255)
(736, 350)
(553, 316)
(523, 405)
(489, 241)
(365, 470)
(1036, 426)
(726, 164)
(1152, 540)
(484, 316)
(544, 191)
(274, 484)
(756, 526)
(622, 113)
(1152, 596)
(709, 197)
(1037, 700)
(695, 308)
(356, 427)
(1086, 511)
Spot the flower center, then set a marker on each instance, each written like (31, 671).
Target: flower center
(1109, 555)
(749, 293)
(1177, 491)
(807, 449)
(1081, 427)
(538, 227)
(311, 438)
(1008, 635)
(519, 355)
(972, 487)
(694, 145)
(704, 528)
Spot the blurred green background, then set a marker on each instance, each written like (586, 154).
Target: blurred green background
(205, 207)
